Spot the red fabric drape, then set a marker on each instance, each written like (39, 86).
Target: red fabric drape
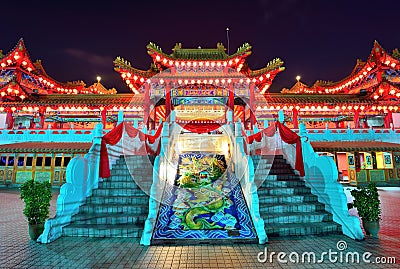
(291, 137)
(200, 127)
(110, 138)
(10, 120)
(270, 131)
(115, 135)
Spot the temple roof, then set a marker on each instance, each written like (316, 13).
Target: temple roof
(378, 78)
(201, 62)
(21, 78)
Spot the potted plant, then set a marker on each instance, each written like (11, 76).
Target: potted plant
(366, 200)
(36, 196)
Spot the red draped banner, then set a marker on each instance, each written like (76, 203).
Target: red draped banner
(201, 127)
(115, 135)
(287, 135)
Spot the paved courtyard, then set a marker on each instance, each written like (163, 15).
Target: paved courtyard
(18, 251)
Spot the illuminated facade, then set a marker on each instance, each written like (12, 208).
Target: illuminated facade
(203, 137)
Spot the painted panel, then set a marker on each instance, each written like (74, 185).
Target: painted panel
(368, 160)
(387, 160)
(42, 176)
(362, 176)
(23, 176)
(351, 162)
(377, 175)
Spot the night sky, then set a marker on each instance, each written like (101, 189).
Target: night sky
(78, 40)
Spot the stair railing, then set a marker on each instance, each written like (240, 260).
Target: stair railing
(321, 176)
(160, 175)
(82, 177)
(244, 169)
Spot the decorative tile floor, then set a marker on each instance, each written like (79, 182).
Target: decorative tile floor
(17, 251)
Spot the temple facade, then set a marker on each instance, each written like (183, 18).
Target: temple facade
(200, 150)
(200, 85)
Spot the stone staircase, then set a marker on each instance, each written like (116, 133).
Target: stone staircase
(286, 204)
(118, 208)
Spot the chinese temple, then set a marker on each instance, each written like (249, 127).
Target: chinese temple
(200, 150)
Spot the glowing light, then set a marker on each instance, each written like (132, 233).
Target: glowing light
(298, 78)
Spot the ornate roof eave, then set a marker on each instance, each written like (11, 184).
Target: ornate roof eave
(377, 61)
(13, 90)
(163, 60)
(18, 58)
(133, 77)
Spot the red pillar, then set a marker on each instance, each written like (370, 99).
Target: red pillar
(388, 119)
(252, 107)
(244, 116)
(10, 119)
(356, 119)
(155, 118)
(104, 117)
(146, 105)
(231, 99)
(42, 112)
(167, 101)
(295, 119)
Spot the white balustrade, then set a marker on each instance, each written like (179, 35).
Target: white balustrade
(321, 177)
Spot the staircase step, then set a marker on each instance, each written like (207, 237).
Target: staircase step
(119, 192)
(288, 199)
(299, 217)
(104, 230)
(109, 218)
(120, 184)
(139, 171)
(118, 199)
(281, 183)
(281, 171)
(290, 207)
(285, 190)
(115, 208)
(292, 229)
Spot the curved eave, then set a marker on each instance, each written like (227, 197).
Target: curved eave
(377, 61)
(164, 61)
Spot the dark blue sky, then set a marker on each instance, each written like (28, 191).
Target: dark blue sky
(78, 40)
